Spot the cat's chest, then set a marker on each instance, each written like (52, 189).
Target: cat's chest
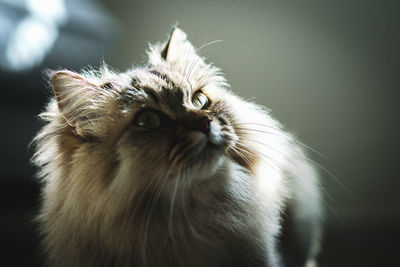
(217, 234)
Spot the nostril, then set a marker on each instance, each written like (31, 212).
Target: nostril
(202, 124)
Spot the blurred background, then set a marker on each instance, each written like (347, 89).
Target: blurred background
(328, 70)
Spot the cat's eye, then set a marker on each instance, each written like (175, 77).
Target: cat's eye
(200, 100)
(148, 120)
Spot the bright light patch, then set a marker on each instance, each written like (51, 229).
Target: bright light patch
(52, 10)
(35, 35)
(29, 43)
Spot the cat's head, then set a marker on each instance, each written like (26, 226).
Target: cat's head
(175, 116)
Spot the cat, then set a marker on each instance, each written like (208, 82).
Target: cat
(163, 165)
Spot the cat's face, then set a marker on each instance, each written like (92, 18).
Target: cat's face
(179, 124)
(169, 118)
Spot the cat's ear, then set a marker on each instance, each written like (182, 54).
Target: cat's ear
(75, 97)
(177, 47)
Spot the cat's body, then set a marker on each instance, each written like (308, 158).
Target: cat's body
(164, 166)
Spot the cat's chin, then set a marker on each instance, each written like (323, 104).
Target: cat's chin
(207, 162)
(205, 151)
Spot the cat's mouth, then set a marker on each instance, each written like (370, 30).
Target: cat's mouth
(198, 147)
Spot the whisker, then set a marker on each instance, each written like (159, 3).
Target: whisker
(192, 62)
(259, 131)
(326, 193)
(255, 123)
(146, 189)
(184, 208)
(242, 156)
(262, 144)
(330, 174)
(171, 210)
(263, 158)
(334, 212)
(207, 44)
(312, 161)
(310, 149)
(192, 68)
(188, 63)
(154, 202)
(195, 63)
(270, 159)
(298, 142)
(316, 164)
(139, 202)
(285, 134)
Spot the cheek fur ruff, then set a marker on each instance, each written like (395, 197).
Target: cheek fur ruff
(110, 200)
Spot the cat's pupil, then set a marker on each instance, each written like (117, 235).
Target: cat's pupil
(200, 100)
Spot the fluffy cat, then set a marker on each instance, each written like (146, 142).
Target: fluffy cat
(163, 165)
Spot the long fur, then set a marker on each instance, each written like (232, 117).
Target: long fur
(117, 195)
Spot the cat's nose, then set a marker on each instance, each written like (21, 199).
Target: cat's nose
(201, 123)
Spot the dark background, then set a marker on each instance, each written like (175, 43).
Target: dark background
(329, 70)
